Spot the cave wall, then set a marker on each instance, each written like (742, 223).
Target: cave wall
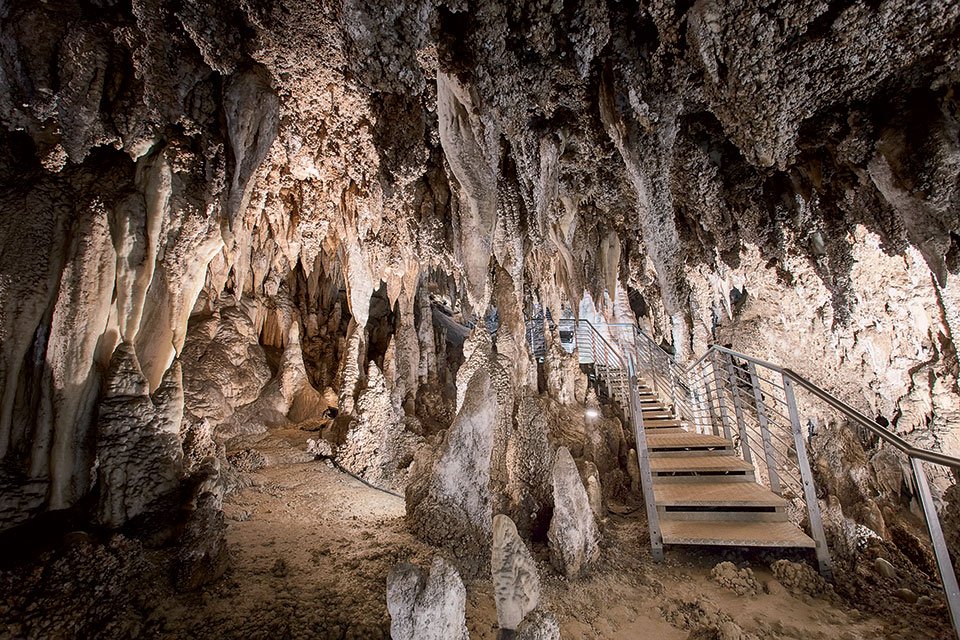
(161, 160)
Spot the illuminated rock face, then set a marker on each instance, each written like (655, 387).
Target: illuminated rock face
(220, 223)
(450, 503)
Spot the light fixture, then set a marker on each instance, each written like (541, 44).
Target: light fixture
(591, 412)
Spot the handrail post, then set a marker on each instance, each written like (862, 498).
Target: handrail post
(673, 387)
(947, 575)
(700, 397)
(738, 411)
(643, 459)
(653, 371)
(768, 453)
(721, 396)
(806, 475)
(709, 398)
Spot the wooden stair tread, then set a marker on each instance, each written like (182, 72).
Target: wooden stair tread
(730, 494)
(698, 463)
(656, 422)
(684, 439)
(738, 534)
(656, 426)
(656, 414)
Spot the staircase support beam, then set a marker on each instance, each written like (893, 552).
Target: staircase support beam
(646, 476)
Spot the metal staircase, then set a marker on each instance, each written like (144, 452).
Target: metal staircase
(722, 450)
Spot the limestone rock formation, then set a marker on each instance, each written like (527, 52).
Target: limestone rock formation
(516, 584)
(573, 535)
(426, 607)
(526, 459)
(139, 458)
(565, 382)
(226, 366)
(450, 504)
(539, 626)
(378, 447)
(214, 216)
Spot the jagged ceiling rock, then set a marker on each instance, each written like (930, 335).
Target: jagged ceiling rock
(529, 152)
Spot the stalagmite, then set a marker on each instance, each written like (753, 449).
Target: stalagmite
(426, 607)
(378, 448)
(573, 531)
(515, 581)
(450, 504)
(266, 266)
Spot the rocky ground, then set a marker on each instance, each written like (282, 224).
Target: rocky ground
(311, 548)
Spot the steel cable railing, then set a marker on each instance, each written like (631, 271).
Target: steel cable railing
(754, 404)
(782, 459)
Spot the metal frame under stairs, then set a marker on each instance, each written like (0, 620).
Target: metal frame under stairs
(721, 447)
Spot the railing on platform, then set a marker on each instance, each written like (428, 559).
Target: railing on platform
(616, 368)
(754, 404)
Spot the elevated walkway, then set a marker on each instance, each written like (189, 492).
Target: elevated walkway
(721, 448)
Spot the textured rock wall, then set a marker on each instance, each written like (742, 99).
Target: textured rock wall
(158, 159)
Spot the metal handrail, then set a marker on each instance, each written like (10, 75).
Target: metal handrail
(596, 333)
(884, 434)
(871, 425)
(717, 375)
(915, 455)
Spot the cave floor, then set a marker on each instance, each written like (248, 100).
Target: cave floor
(311, 547)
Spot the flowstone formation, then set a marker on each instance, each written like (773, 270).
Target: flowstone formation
(243, 235)
(138, 446)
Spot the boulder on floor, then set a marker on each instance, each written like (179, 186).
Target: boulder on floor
(539, 626)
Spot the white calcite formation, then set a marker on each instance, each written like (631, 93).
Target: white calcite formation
(232, 192)
(426, 607)
(539, 626)
(262, 198)
(450, 503)
(138, 445)
(378, 447)
(527, 457)
(516, 584)
(566, 383)
(573, 535)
